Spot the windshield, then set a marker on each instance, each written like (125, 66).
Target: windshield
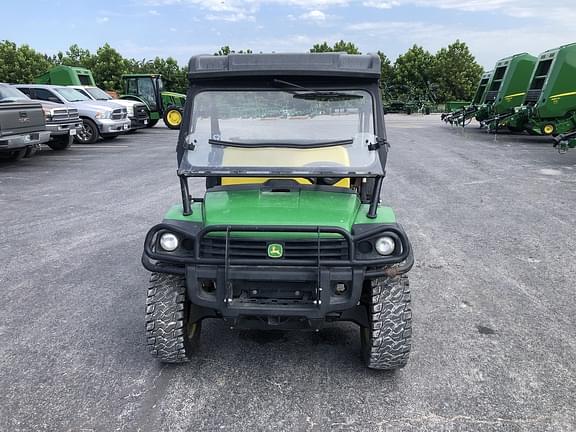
(11, 94)
(98, 94)
(71, 95)
(284, 130)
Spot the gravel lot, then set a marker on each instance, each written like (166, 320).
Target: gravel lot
(494, 348)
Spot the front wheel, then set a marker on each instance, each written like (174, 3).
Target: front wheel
(171, 337)
(173, 117)
(386, 341)
(88, 133)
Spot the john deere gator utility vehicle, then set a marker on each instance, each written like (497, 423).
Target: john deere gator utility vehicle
(149, 89)
(549, 106)
(509, 84)
(289, 233)
(465, 115)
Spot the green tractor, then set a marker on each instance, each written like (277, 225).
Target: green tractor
(549, 106)
(290, 233)
(507, 89)
(464, 115)
(149, 89)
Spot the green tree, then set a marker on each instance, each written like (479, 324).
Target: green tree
(225, 50)
(21, 64)
(75, 56)
(457, 72)
(347, 47)
(386, 68)
(341, 46)
(109, 65)
(415, 71)
(320, 48)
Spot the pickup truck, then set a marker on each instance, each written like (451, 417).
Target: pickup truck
(22, 124)
(63, 122)
(137, 111)
(99, 119)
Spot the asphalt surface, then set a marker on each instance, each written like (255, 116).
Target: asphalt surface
(494, 344)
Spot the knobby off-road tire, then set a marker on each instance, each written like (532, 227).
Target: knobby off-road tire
(386, 343)
(171, 338)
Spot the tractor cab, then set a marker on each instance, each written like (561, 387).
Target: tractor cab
(149, 89)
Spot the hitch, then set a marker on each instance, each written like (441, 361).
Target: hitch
(565, 141)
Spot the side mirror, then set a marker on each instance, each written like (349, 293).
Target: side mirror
(54, 99)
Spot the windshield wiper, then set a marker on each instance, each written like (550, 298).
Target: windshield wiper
(319, 144)
(319, 95)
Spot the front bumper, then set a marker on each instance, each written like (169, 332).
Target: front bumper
(108, 126)
(309, 287)
(138, 123)
(15, 142)
(57, 129)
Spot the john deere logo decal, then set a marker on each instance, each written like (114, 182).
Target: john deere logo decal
(275, 250)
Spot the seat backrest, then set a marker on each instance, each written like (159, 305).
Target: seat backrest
(262, 157)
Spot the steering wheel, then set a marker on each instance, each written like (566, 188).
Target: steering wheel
(327, 181)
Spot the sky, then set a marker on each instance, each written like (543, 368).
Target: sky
(144, 29)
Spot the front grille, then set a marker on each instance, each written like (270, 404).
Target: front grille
(140, 112)
(119, 114)
(64, 115)
(330, 249)
(533, 95)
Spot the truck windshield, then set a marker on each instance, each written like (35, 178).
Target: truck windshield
(282, 130)
(11, 94)
(98, 94)
(71, 95)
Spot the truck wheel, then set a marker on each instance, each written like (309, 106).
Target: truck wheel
(152, 123)
(171, 337)
(61, 142)
(88, 133)
(173, 117)
(17, 155)
(386, 342)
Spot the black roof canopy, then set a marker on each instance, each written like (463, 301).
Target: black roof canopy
(309, 64)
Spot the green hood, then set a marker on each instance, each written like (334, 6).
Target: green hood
(302, 207)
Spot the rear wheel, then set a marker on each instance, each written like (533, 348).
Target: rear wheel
(88, 133)
(173, 117)
(386, 342)
(171, 337)
(61, 142)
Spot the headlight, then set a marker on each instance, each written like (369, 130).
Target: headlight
(104, 114)
(385, 245)
(169, 242)
(48, 115)
(130, 111)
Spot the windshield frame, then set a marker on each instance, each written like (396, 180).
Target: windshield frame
(370, 86)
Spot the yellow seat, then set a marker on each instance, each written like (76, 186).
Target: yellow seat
(286, 157)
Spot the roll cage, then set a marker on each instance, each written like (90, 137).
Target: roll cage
(261, 72)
